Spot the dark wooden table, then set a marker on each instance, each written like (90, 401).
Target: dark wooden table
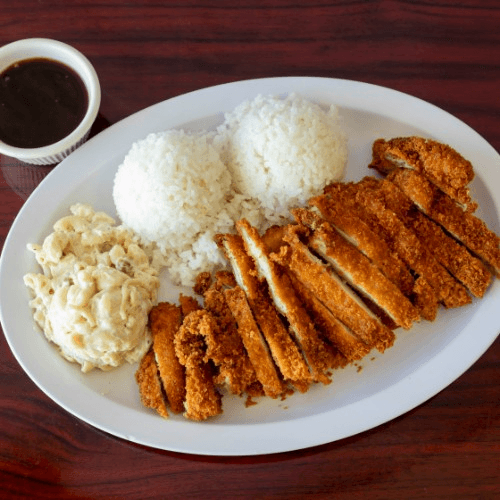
(446, 52)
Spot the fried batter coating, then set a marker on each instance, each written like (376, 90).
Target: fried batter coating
(225, 346)
(465, 227)
(149, 383)
(439, 163)
(166, 319)
(202, 398)
(285, 352)
(334, 294)
(254, 343)
(281, 290)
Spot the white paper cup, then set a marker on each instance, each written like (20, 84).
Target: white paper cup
(57, 51)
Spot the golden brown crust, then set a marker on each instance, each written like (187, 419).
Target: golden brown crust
(283, 349)
(440, 163)
(225, 347)
(202, 398)
(357, 269)
(286, 301)
(339, 210)
(254, 342)
(467, 228)
(349, 344)
(165, 321)
(149, 383)
(404, 241)
(334, 294)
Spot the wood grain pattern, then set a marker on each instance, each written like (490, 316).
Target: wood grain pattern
(445, 52)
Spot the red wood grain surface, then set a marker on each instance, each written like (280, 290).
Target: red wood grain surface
(445, 52)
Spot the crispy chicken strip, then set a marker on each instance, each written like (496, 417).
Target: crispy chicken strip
(166, 319)
(337, 209)
(334, 294)
(202, 399)
(188, 304)
(405, 242)
(355, 268)
(465, 227)
(469, 270)
(254, 342)
(225, 346)
(149, 383)
(313, 348)
(439, 163)
(338, 334)
(283, 349)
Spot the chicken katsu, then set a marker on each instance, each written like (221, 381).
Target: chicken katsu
(318, 293)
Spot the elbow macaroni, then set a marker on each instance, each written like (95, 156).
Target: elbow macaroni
(97, 286)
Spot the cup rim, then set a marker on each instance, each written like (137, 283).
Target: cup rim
(29, 48)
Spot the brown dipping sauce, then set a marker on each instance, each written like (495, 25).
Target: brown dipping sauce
(41, 102)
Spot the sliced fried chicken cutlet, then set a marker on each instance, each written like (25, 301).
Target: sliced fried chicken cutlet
(356, 268)
(409, 247)
(439, 163)
(225, 346)
(468, 269)
(438, 206)
(317, 355)
(284, 351)
(254, 342)
(339, 207)
(330, 289)
(202, 398)
(165, 320)
(150, 389)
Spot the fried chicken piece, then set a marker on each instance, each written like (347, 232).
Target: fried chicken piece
(339, 211)
(416, 255)
(465, 227)
(202, 398)
(225, 346)
(439, 163)
(149, 383)
(425, 299)
(339, 335)
(254, 342)
(202, 283)
(312, 347)
(166, 319)
(469, 270)
(334, 294)
(188, 304)
(285, 352)
(273, 238)
(355, 268)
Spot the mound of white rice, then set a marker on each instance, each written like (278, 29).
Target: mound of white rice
(179, 189)
(282, 151)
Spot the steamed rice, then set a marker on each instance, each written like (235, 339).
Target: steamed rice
(179, 189)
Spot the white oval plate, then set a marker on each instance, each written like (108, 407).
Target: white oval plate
(422, 362)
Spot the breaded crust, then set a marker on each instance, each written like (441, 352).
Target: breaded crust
(225, 346)
(285, 352)
(165, 320)
(338, 334)
(202, 398)
(356, 268)
(148, 380)
(335, 295)
(312, 347)
(440, 163)
(338, 210)
(408, 246)
(254, 342)
(465, 227)
(469, 270)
